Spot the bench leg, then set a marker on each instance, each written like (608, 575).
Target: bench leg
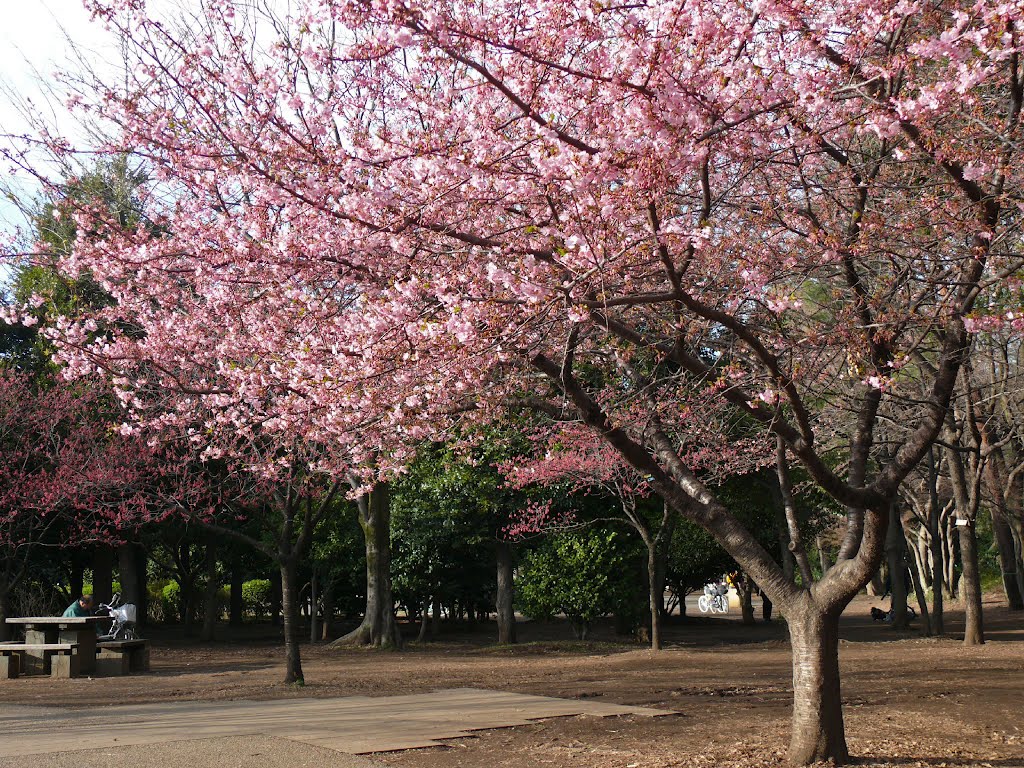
(64, 665)
(140, 659)
(10, 666)
(112, 663)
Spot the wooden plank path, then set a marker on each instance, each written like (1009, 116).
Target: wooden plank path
(353, 725)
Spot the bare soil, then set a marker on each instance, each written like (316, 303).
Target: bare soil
(909, 700)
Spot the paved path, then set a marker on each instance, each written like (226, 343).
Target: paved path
(353, 725)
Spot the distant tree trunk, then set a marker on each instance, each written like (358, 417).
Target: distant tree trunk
(211, 609)
(290, 610)
(503, 603)
(142, 580)
(236, 602)
(314, 597)
(746, 592)
(424, 621)
(435, 615)
(897, 568)
(102, 574)
(379, 627)
(995, 479)
(818, 731)
(824, 560)
(328, 610)
(974, 630)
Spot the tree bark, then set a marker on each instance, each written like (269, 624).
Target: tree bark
(823, 559)
(236, 601)
(818, 729)
(425, 621)
(102, 574)
(290, 614)
(379, 627)
(897, 569)
(314, 613)
(974, 630)
(5, 612)
(328, 611)
(746, 590)
(128, 574)
(504, 601)
(210, 607)
(77, 575)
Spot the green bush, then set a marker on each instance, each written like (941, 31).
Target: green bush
(583, 575)
(256, 597)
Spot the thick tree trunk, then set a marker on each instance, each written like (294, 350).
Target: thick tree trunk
(128, 574)
(103, 574)
(210, 607)
(504, 601)
(379, 627)
(290, 614)
(818, 730)
(974, 631)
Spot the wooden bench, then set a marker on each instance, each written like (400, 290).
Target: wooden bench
(62, 659)
(119, 657)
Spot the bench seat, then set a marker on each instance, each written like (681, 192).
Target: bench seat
(62, 658)
(119, 657)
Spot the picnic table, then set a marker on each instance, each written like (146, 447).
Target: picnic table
(43, 630)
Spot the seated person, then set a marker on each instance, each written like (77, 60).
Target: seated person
(83, 606)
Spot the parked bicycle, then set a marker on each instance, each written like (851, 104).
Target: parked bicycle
(122, 617)
(715, 599)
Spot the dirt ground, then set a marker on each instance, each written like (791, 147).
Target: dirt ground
(909, 701)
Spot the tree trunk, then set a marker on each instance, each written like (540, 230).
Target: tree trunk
(897, 569)
(379, 627)
(314, 597)
(210, 607)
(974, 631)
(5, 612)
(503, 604)
(328, 611)
(425, 622)
(818, 730)
(435, 616)
(823, 557)
(746, 591)
(128, 573)
(290, 611)
(102, 574)
(1009, 565)
(236, 600)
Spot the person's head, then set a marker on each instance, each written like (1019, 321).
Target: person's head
(85, 601)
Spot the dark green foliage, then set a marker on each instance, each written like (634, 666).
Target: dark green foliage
(582, 574)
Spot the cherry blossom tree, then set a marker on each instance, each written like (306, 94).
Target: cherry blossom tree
(379, 213)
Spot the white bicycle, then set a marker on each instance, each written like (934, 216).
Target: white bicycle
(714, 600)
(122, 617)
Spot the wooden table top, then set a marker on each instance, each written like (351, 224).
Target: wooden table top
(59, 620)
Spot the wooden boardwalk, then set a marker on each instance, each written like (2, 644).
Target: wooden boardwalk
(353, 725)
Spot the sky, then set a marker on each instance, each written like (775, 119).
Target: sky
(33, 45)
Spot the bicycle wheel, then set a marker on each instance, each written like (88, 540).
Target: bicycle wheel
(702, 604)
